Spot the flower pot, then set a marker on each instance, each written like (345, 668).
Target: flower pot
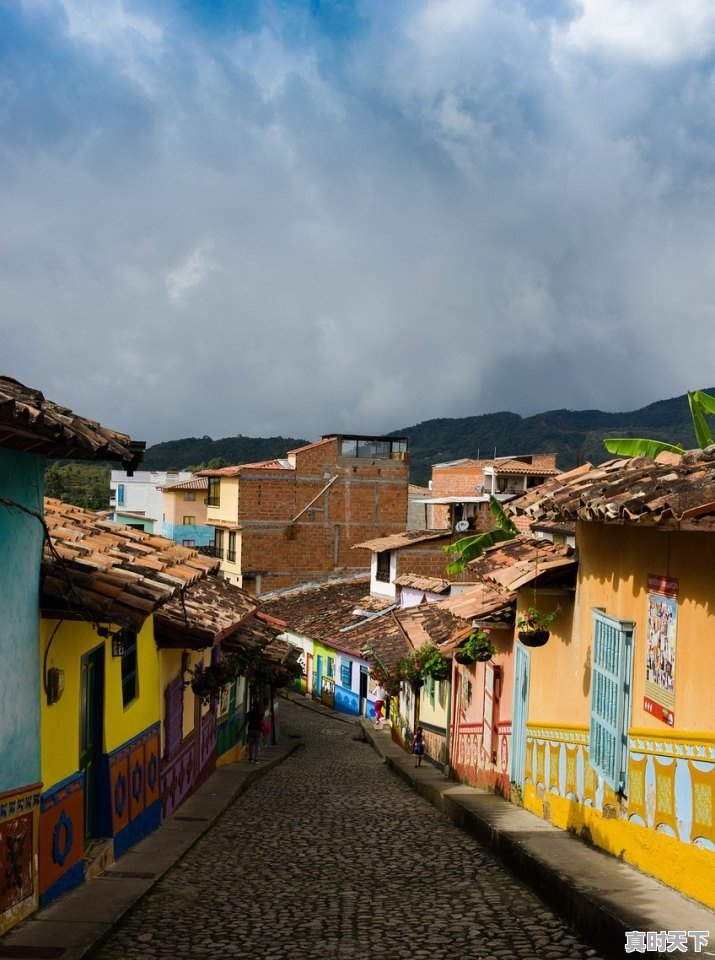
(440, 674)
(534, 638)
(466, 659)
(416, 684)
(483, 657)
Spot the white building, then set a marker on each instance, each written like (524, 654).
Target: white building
(140, 494)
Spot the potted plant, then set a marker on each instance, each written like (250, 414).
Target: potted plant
(477, 648)
(432, 663)
(207, 681)
(533, 626)
(410, 669)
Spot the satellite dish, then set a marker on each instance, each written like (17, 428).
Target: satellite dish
(461, 525)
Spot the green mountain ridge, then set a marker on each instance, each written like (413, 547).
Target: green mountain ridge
(574, 435)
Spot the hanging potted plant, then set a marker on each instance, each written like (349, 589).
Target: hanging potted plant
(533, 626)
(207, 681)
(433, 664)
(477, 648)
(410, 669)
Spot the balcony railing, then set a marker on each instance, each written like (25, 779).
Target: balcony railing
(210, 550)
(213, 501)
(231, 556)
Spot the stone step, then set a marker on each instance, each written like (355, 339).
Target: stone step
(97, 857)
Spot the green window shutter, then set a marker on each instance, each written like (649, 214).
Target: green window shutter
(610, 698)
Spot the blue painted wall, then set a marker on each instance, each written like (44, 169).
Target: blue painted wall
(178, 532)
(22, 479)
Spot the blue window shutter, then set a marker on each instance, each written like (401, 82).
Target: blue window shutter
(610, 686)
(346, 673)
(120, 494)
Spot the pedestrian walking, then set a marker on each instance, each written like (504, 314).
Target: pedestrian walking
(418, 746)
(380, 696)
(254, 723)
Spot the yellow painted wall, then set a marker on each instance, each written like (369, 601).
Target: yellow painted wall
(435, 715)
(615, 562)
(60, 723)
(681, 865)
(560, 671)
(227, 510)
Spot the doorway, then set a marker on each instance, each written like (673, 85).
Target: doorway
(91, 736)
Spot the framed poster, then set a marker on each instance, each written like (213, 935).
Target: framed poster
(661, 646)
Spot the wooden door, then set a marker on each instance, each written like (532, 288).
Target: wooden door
(91, 735)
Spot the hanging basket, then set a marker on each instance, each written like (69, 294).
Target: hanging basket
(534, 638)
(483, 657)
(466, 659)
(417, 684)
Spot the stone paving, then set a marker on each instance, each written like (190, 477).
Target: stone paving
(331, 856)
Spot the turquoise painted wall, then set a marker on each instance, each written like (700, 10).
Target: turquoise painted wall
(22, 479)
(202, 535)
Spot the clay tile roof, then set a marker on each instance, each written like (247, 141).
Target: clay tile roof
(417, 582)
(110, 571)
(310, 446)
(30, 423)
(196, 483)
(203, 614)
(382, 639)
(432, 623)
(240, 468)
(320, 611)
(261, 632)
(672, 491)
(517, 562)
(414, 490)
(484, 601)
(396, 540)
(513, 467)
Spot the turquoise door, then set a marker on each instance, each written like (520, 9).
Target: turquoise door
(318, 688)
(521, 712)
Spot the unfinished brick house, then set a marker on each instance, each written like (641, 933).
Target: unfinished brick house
(293, 520)
(460, 489)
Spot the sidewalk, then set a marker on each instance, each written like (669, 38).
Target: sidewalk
(74, 924)
(598, 895)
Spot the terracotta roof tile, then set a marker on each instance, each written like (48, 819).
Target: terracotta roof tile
(196, 483)
(396, 540)
(31, 423)
(240, 468)
(668, 491)
(320, 611)
(417, 582)
(520, 467)
(382, 638)
(203, 614)
(112, 570)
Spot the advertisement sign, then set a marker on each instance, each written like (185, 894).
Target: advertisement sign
(661, 644)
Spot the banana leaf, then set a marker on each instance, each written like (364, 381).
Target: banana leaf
(697, 411)
(469, 548)
(704, 400)
(503, 522)
(634, 447)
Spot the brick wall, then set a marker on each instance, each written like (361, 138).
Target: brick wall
(428, 560)
(367, 500)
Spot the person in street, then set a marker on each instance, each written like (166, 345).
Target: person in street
(254, 725)
(380, 696)
(418, 746)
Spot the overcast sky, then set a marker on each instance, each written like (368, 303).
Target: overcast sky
(302, 216)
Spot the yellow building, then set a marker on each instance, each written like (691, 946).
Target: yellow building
(617, 706)
(102, 701)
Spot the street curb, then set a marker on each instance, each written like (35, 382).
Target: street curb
(80, 939)
(598, 895)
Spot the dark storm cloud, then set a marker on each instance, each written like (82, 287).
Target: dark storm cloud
(304, 217)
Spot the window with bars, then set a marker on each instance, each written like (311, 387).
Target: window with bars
(610, 698)
(231, 553)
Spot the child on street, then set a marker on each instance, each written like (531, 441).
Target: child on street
(418, 746)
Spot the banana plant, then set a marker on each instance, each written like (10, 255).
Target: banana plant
(469, 548)
(700, 403)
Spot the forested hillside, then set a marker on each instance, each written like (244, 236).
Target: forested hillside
(575, 435)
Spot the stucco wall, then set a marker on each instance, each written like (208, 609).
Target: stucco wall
(21, 480)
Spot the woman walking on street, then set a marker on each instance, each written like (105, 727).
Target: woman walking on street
(418, 746)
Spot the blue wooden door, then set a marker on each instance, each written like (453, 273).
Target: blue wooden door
(520, 714)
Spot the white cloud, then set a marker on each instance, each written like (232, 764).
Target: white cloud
(190, 273)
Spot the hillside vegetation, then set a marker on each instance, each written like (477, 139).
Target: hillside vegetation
(575, 435)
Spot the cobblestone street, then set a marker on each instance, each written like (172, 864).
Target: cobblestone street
(331, 856)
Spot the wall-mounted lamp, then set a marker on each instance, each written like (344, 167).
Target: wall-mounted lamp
(118, 644)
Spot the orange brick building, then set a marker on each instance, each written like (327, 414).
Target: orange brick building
(294, 520)
(460, 490)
